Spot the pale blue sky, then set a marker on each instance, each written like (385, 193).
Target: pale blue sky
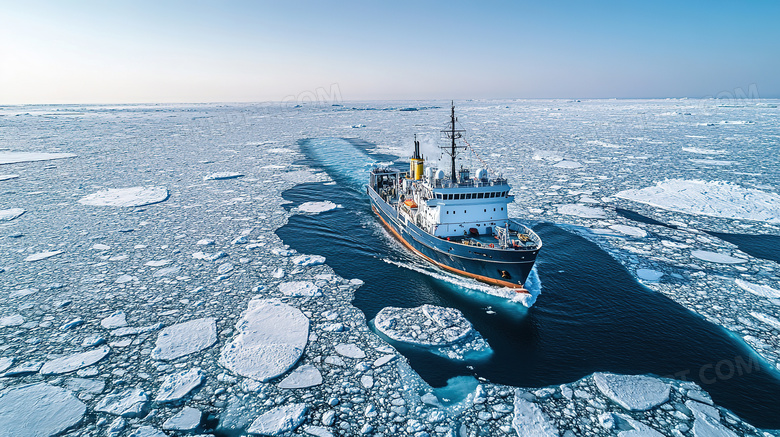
(209, 51)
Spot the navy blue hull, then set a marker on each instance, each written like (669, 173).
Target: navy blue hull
(508, 268)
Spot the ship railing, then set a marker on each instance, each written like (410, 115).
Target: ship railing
(447, 183)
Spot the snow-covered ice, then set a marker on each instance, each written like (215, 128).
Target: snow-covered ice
(631, 231)
(126, 197)
(308, 260)
(117, 319)
(42, 255)
(633, 392)
(185, 420)
(38, 410)
(649, 274)
(271, 338)
(758, 289)
(222, 175)
(530, 421)
(130, 402)
(424, 325)
(303, 377)
(74, 362)
(715, 257)
(185, 338)
(8, 177)
(716, 199)
(299, 288)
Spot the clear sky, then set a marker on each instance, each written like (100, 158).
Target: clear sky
(119, 51)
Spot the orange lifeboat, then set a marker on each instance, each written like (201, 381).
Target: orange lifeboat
(410, 203)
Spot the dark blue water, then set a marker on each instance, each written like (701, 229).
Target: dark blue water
(592, 315)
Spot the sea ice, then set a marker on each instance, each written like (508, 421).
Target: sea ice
(317, 207)
(115, 320)
(530, 421)
(135, 330)
(42, 255)
(147, 431)
(185, 338)
(568, 164)
(350, 350)
(631, 231)
(272, 336)
(38, 410)
(7, 157)
(8, 177)
(716, 257)
(582, 211)
(12, 320)
(128, 403)
(126, 197)
(74, 362)
(425, 325)
(176, 385)
(299, 288)
(279, 420)
(758, 290)
(308, 260)
(715, 199)
(302, 377)
(222, 175)
(632, 392)
(769, 320)
(185, 420)
(9, 214)
(649, 275)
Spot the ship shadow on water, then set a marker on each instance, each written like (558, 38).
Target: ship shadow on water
(592, 314)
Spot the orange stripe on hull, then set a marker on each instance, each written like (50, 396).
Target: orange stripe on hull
(518, 288)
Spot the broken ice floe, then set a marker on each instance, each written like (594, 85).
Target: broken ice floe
(530, 421)
(444, 330)
(317, 207)
(308, 260)
(7, 157)
(126, 197)
(649, 274)
(758, 290)
(6, 215)
(38, 410)
(131, 402)
(222, 175)
(8, 177)
(716, 199)
(185, 338)
(303, 377)
(185, 420)
(115, 320)
(271, 338)
(631, 231)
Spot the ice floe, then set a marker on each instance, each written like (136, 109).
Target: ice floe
(271, 338)
(299, 289)
(582, 211)
(6, 215)
(117, 319)
(74, 362)
(530, 421)
(12, 320)
(222, 175)
(126, 197)
(308, 260)
(633, 392)
(279, 420)
(568, 164)
(716, 199)
(185, 420)
(130, 402)
(446, 330)
(758, 290)
(303, 377)
(317, 207)
(631, 231)
(38, 410)
(42, 255)
(716, 257)
(8, 157)
(185, 338)
(649, 274)
(177, 385)
(8, 177)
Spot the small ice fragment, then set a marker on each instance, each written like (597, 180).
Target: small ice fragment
(582, 211)
(125, 279)
(299, 288)
(71, 324)
(222, 175)
(12, 320)
(317, 207)
(135, 330)
(649, 275)
(128, 403)
(158, 263)
(529, 420)
(8, 177)
(308, 260)
(350, 351)
(278, 273)
(101, 247)
(185, 420)
(631, 231)
(205, 242)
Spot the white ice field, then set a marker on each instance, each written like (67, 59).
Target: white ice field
(144, 292)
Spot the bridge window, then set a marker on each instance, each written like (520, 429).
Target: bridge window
(480, 196)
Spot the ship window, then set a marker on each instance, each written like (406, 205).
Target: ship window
(492, 195)
(449, 197)
(494, 209)
(464, 211)
(486, 210)
(448, 212)
(502, 208)
(480, 196)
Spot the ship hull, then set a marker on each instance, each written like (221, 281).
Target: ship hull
(504, 268)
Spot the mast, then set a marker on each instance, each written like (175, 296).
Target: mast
(453, 134)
